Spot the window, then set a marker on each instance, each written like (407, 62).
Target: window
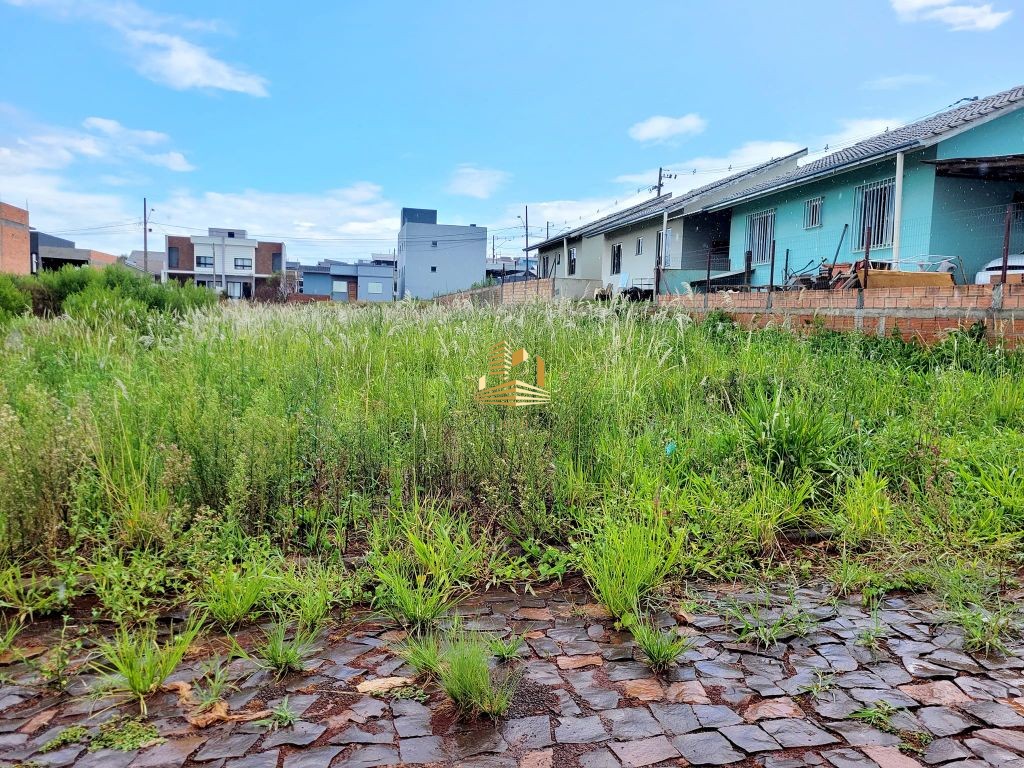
(664, 253)
(812, 212)
(639, 246)
(173, 256)
(433, 269)
(433, 243)
(243, 263)
(339, 286)
(616, 258)
(760, 234)
(275, 262)
(375, 287)
(545, 267)
(873, 207)
(572, 261)
(231, 234)
(204, 262)
(234, 289)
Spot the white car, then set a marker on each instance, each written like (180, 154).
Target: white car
(1015, 265)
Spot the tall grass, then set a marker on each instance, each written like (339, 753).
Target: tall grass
(215, 426)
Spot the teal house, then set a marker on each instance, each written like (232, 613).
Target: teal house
(931, 195)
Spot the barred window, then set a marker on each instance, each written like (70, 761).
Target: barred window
(812, 212)
(760, 233)
(873, 207)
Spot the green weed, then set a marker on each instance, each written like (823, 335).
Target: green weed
(661, 649)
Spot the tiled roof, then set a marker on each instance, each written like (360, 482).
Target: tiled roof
(922, 133)
(584, 229)
(680, 202)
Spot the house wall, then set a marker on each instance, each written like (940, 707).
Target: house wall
(316, 284)
(460, 258)
(635, 267)
(15, 247)
(809, 247)
(373, 274)
(186, 253)
(1001, 136)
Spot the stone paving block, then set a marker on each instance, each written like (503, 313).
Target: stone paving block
(848, 758)
(791, 732)
(599, 758)
(944, 751)
(995, 714)
(580, 730)
(541, 758)
(631, 723)
(861, 734)
(644, 690)
(528, 732)
(941, 692)
(687, 692)
(991, 753)
(772, 709)
(368, 757)
(1010, 739)
(676, 719)
(642, 752)
(716, 715)
(478, 741)
(234, 745)
(382, 732)
(113, 758)
(708, 748)
(173, 752)
(317, 757)
(300, 735)
(749, 738)
(423, 749)
(891, 757)
(260, 760)
(943, 721)
(411, 718)
(64, 756)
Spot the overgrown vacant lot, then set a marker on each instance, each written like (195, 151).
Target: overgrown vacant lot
(282, 512)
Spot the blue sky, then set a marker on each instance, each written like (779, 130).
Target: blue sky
(316, 122)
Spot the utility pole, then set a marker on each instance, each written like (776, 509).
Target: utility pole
(145, 237)
(662, 175)
(492, 248)
(547, 235)
(526, 232)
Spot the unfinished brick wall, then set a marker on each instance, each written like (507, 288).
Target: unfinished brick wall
(923, 313)
(15, 247)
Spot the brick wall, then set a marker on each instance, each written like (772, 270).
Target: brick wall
(186, 252)
(15, 248)
(101, 259)
(923, 313)
(265, 257)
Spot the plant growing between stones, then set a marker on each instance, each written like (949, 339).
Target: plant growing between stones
(986, 631)
(233, 594)
(627, 556)
(281, 716)
(661, 649)
(506, 650)
(126, 734)
(136, 664)
(282, 654)
(29, 594)
(214, 684)
(74, 734)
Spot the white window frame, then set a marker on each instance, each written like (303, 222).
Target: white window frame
(640, 246)
(571, 266)
(342, 283)
(874, 205)
(234, 289)
(375, 288)
(243, 259)
(812, 212)
(760, 233)
(616, 248)
(665, 247)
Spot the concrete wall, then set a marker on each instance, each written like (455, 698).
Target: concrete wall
(510, 293)
(1002, 136)
(638, 267)
(457, 261)
(384, 276)
(15, 247)
(316, 284)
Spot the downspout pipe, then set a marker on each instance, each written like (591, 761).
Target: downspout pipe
(897, 216)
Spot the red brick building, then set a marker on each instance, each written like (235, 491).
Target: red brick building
(15, 251)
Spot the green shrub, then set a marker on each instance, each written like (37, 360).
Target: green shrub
(233, 594)
(627, 556)
(13, 300)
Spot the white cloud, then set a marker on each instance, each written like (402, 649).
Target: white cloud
(897, 82)
(161, 55)
(471, 181)
(174, 61)
(960, 17)
(661, 128)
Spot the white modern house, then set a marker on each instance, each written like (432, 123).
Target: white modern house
(223, 259)
(434, 259)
